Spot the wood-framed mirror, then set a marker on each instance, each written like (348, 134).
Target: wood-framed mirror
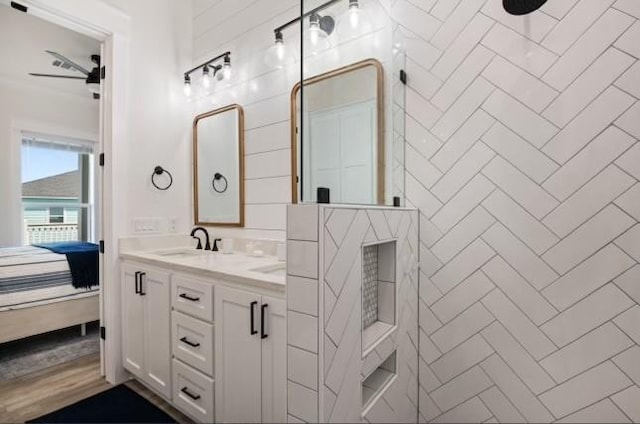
(344, 135)
(218, 167)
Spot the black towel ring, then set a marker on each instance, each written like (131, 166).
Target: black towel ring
(217, 177)
(158, 170)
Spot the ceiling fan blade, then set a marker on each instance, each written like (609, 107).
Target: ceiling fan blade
(57, 76)
(67, 61)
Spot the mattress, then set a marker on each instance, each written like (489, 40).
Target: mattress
(32, 276)
(29, 268)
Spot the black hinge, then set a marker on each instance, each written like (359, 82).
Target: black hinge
(101, 243)
(403, 76)
(19, 7)
(103, 72)
(103, 333)
(101, 159)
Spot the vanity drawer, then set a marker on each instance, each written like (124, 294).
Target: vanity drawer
(192, 297)
(192, 341)
(193, 392)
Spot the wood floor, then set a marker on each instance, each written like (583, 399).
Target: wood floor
(45, 391)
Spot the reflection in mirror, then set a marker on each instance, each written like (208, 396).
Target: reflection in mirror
(218, 170)
(342, 146)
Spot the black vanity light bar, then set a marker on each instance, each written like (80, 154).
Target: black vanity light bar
(278, 31)
(227, 60)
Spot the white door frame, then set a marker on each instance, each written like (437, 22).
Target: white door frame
(111, 27)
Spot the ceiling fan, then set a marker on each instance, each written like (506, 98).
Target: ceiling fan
(91, 78)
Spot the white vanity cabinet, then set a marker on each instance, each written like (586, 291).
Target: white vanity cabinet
(214, 348)
(145, 326)
(250, 358)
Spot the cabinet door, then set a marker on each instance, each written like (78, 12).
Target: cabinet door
(132, 323)
(157, 370)
(237, 356)
(274, 360)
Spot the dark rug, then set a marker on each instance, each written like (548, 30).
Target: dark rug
(117, 405)
(25, 356)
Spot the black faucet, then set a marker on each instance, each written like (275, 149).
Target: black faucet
(207, 245)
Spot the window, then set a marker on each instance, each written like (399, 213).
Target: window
(57, 189)
(56, 215)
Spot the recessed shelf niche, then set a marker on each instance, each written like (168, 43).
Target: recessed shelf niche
(378, 292)
(377, 382)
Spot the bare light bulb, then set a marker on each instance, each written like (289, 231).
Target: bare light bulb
(278, 55)
(206, 78)
(187, 86)
(354, 16)
(354, 22)
(316, 39)
(226, 68)
(314, 34)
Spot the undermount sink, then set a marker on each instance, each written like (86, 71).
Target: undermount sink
(179, 253)
(277, 269)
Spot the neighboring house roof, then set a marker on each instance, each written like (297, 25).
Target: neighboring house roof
(67, 185)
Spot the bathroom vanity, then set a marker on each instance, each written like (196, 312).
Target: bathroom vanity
(207, 331)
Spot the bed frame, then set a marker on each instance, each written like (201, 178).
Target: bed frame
(30, 321)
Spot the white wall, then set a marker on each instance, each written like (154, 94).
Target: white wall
(158, 119)
(524, 160)
(24, 106)
(245, 27)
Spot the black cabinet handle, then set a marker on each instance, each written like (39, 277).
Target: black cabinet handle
(186, 296)
(252, 308)
(142, 274)
(137, 282)
(263, 334)
(188, 393)
(190, 343)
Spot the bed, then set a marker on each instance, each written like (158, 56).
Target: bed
(37, 294)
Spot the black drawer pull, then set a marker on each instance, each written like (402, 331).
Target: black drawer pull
(137, 282)
(188, 393)
(253, 328)
(186, 296)
(142, 274)
(190, 343)
(263, 334)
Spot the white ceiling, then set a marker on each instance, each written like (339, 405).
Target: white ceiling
(23, 41)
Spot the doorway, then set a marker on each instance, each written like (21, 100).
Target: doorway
(110, 27)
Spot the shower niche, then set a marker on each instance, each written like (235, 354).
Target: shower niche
(378, 293)
(377, 382)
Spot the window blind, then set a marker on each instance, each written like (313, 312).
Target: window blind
(66, 144)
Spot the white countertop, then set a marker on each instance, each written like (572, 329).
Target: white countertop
(266, 272)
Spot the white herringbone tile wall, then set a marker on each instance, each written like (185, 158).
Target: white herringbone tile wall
(523, 157)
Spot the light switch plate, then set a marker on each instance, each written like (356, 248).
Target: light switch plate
(153, 225)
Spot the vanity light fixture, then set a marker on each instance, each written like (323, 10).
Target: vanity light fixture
(210, 70)
(316, 37)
